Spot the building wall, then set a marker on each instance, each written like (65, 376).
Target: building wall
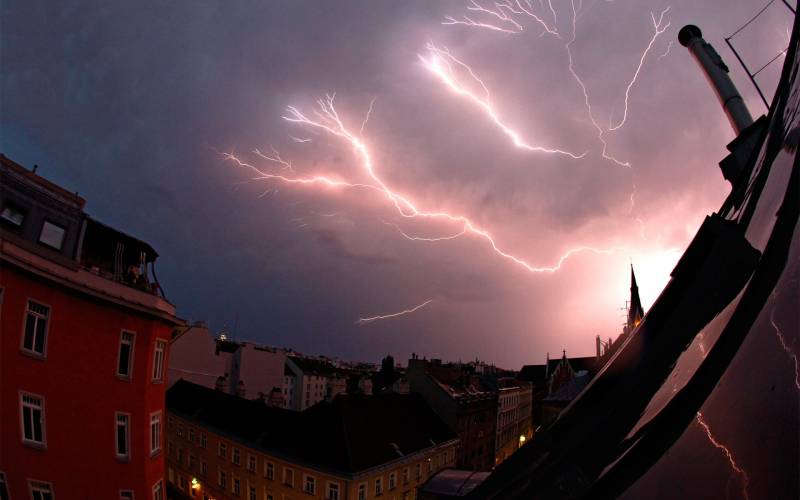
(182, 471)
(473, 419)
(261, 369)
(193, 358)
(513, 420)
(81, 392)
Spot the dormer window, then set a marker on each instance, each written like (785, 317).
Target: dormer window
(13, 214)
(52, 235)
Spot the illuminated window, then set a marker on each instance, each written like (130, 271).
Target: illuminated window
(125, 357)
(34, 339)
(123, 436)
(52, 235)
(32, 414)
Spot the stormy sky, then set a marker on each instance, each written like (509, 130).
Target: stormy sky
(134, 104)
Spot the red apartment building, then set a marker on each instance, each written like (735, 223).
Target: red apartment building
(84, 332)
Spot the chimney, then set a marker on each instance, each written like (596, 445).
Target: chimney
(716, 72)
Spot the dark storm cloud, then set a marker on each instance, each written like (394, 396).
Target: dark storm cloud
(130, 103)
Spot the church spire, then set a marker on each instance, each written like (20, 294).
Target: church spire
(635, 310)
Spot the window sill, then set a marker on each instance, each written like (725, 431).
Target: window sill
(124, 378)
(155, 454)
(124, 459)
(32, 354)
(36, 445)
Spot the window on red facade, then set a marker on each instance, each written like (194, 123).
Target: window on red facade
(125, 362)
(41, 490)
(155, 433)
(158, 491)
(122, 435)
(158, 361)
(32, 413)
(34, 339)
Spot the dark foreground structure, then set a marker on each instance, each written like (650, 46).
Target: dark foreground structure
(736, 284)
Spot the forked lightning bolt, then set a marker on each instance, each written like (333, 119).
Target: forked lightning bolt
(446, 67)
(501, 17)
(328, 120)
(362, 321)
(659, 28)
(727, 452)
(786, 348)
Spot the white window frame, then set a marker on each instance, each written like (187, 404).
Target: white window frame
(291, 472)
(158, 490)
(155, 437)
(41, 408)
(127, 417)
(222, 479)
(39, 316)
(63, 229)
(251, 459)
(392, 480)
(313, 483)
(236, 485)
(132, 343)
(379, 486)
(330, 487)
(203, 440)
(362, 492)
(252, 492)
(236, 456)
(36, 486)
(159, 354)
(222, 450)
(269, 470)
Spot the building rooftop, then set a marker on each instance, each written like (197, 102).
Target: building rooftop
(350, 434)
(313, 366)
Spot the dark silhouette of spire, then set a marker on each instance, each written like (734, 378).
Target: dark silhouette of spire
(635, 310)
